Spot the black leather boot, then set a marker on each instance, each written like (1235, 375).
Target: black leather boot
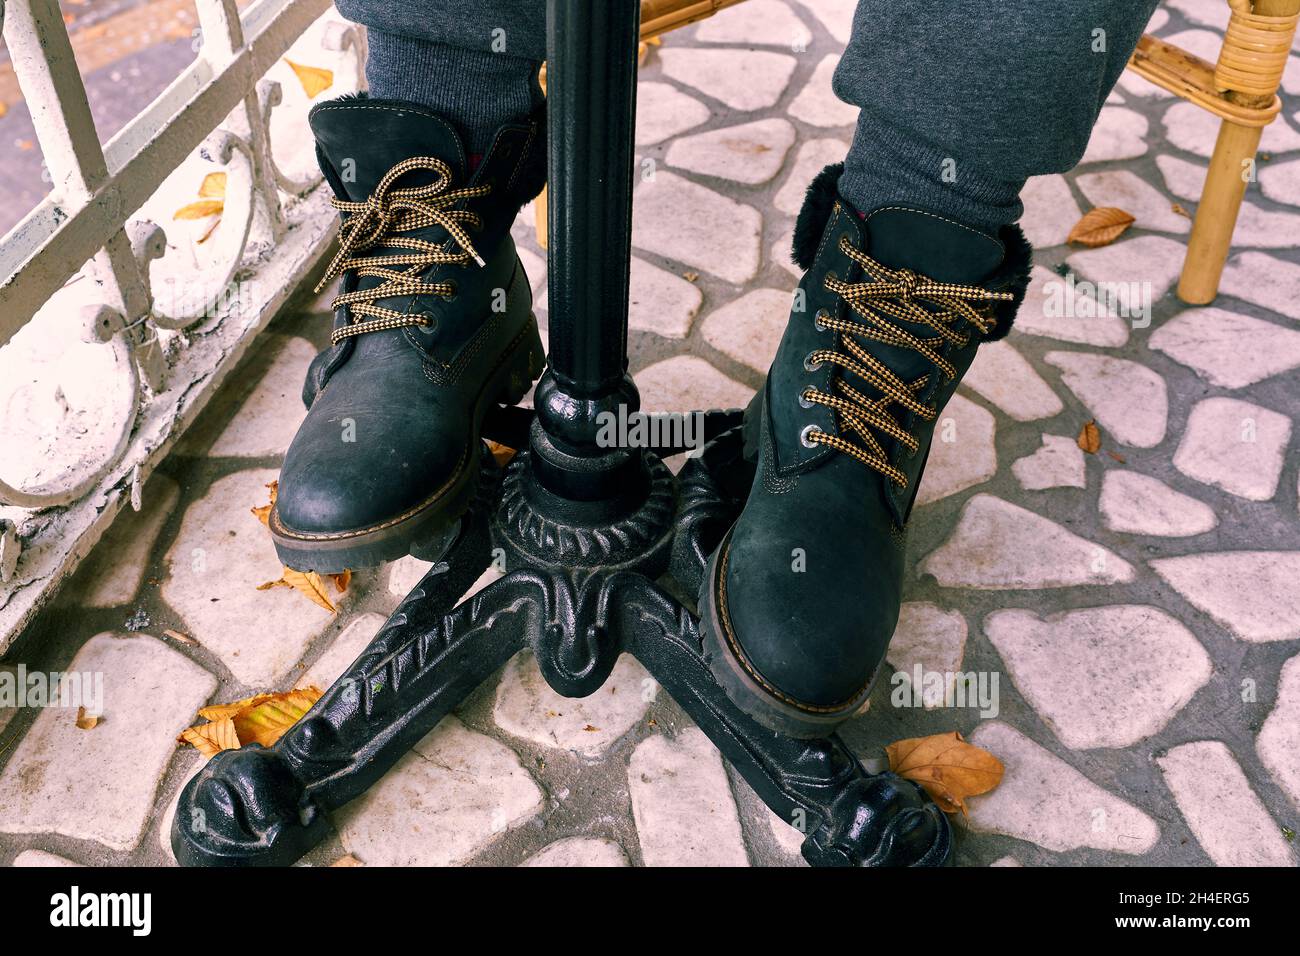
(802, 596)
(433, 324)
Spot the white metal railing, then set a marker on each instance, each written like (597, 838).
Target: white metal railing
(144, 327)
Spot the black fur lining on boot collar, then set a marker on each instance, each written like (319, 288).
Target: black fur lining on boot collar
(818, 203)
(1012, 276)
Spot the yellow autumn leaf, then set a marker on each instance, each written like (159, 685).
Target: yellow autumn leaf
(265, 722)
(312, 585)
(341, 581)
(211, 739)
(263, 512)
(1100, 226)
(86, 721)
(947, 767)
(314, 79)
(213, 186)
(222, 711)
(201, 209)
(1089, 439)
(501, 454)
(4, 108)
(348, 860)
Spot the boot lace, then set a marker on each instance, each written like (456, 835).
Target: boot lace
(380, 221)
(890, 294)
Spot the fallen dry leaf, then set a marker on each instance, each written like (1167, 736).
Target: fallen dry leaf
(311, 584)
(1178, 209)
(4, 108)
(261, 719)
(266, 721)
(210, 739)
(200, 209)
(341, 581)
(314, 79)
(348, 860)
(263, 512)
(178, 636)
(947, 767)
(501, 454)
(1117, 456)
(213, 186)
(1100, 226)
(1089, 438)
(86, 721)
(690, 276)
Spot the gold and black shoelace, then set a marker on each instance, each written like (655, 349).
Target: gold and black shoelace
(381, 221)
(889, 294)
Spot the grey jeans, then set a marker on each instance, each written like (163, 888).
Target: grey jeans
(961, 100)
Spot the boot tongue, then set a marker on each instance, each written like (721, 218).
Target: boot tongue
(362, 139)
(932, 246)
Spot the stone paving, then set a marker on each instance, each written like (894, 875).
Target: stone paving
(1137, 606)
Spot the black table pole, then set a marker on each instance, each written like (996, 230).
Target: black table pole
(591, 110)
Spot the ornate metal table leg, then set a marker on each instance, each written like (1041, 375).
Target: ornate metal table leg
(584, 524)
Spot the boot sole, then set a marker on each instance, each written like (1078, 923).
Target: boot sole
(430, 529)
(738, 681)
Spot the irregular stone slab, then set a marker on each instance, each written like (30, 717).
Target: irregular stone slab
(765, 22)
(1120, 133)
(1057, 464)
(220, 555)
(450, 797)
(817, 103)
(742, 79)
(1134, 85)
(661, 302)
(1251, 593)
(1278, 743)
(751, 153)
(1137, 273)
(962, 453)
(663, 111)
(1203, 43)
(39, 858)
(750, 328)
(1265, 228)
(1044, 800)
(1065, 309)
(1050, 211)
(1263, 280)
(1281, 182)
(1234, 445)
(1001, 546)
(534, 267)
(527, 707)
(1195, 130)
(1208, 13)
(343, 650)
(1222, 810)
(1128, 400)
(579, 851)
(788, 838)
(1139, 504)
(1101, 676)
(781, 254)
(190, 762)
(1184, 179)
(114, 570)
(100, 784)
(270, 416)
(405, 574)
(678, 219)
(814, 155)
(836, 16)
(933, 639)
(1002, 376)
(1124, 189)
(1006, 861)
(1226, 348)
(682, 803)
(686, 383)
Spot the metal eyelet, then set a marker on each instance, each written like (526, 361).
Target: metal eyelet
(455, 290)
(809, 364)
(804, 403)
(819, 320)
(805, 436)
(829, 277)
(430, 324)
